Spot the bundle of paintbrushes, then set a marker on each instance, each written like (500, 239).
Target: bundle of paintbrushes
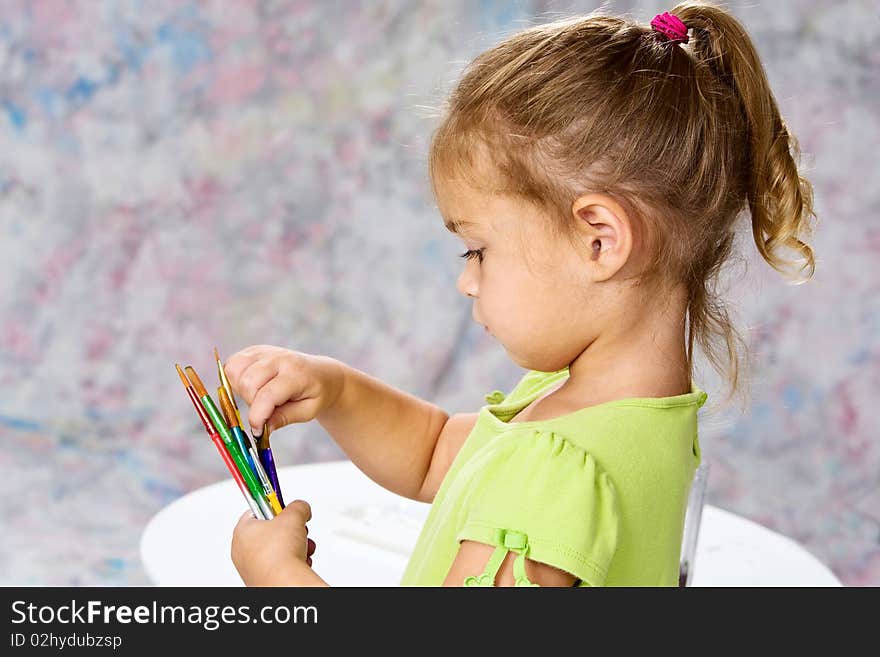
(248, 459)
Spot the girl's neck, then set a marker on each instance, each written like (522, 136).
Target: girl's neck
(647, 361)
(647, 357)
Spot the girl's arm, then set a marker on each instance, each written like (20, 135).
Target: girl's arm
(449, 442)
(387, 433)
(298, 574)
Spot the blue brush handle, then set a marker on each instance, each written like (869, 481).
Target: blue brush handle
(269, 466)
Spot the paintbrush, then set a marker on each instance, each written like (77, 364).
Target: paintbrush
(215, 438)
(225, 383)
(245, 444)
(226, 434)
(268, 461)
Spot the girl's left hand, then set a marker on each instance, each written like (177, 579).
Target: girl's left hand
(273, 552)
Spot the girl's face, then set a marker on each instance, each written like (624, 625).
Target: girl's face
(530, 290)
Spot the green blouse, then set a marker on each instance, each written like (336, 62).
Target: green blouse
(600, 493)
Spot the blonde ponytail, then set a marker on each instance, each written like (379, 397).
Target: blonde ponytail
(780, 199)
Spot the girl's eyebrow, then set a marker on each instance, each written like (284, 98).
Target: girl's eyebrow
(453, 225)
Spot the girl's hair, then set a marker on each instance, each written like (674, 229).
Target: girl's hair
(683, 136)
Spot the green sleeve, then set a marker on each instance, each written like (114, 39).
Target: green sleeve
(548, 500)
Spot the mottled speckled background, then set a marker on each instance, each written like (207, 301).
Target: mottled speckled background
(176, 176)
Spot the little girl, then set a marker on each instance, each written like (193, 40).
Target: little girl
(595, 169)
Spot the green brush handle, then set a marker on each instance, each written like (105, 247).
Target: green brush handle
(247, 474)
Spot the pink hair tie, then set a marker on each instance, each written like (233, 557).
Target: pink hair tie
(671, 27)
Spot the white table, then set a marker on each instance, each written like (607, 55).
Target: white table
(364, 535)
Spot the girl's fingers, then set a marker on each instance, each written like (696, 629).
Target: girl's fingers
(238, 363)
(254, 377)
(310, 548)
(279, 391)
(301, 410)
(300, 508)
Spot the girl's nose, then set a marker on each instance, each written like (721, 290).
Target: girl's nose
(467, 282)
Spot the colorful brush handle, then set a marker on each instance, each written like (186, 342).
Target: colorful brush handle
(236, 475)
(269, 466)
(241, 443)
(239, 458)
(254, 461)
(271, 497)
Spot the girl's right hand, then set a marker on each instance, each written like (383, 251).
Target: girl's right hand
(282, 386)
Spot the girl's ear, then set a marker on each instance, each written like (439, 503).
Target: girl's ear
(605, 229)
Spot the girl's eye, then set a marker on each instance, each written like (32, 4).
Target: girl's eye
(473, 253)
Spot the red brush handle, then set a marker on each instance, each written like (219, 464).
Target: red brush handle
(230, 464)
(209, 427)
(224, 453)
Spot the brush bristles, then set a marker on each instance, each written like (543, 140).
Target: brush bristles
(216, 355)
(182, 376)
(226, 407)
(196, 381)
